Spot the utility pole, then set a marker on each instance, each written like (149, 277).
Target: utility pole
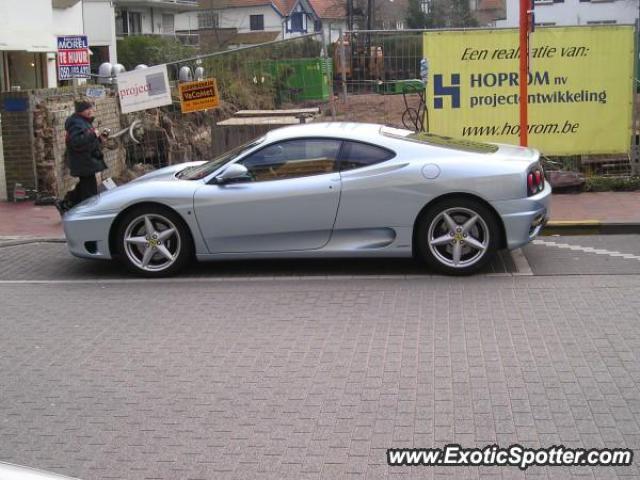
(635, 141)
(525, 25)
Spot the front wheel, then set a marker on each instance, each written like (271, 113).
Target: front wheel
(457, 236)
(154, 242)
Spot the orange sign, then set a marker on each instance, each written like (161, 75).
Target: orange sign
(201, 95)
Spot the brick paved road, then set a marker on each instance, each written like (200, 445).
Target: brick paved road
(315, 378)
(48, 261)
(551, 260)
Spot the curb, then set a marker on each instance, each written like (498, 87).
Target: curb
(13, 241)
(590, 227)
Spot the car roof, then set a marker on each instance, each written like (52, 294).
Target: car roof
(343, 130)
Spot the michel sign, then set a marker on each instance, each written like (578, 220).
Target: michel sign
(73, 57)
(143, 89)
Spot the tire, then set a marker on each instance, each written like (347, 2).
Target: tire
(452, 245)
(161, 254)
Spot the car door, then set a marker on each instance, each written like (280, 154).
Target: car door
(371, 187)
(288, 202)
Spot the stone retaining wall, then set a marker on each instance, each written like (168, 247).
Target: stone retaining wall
(33, 137)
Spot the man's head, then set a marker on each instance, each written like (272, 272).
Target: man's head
(85, 109)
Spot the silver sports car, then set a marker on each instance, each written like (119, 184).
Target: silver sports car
(323, 190)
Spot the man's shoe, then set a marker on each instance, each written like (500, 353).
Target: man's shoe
(61, 207)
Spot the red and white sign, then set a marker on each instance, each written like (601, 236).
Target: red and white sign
(73, 57)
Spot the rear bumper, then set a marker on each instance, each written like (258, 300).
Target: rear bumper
(524, 218)
(88, 236)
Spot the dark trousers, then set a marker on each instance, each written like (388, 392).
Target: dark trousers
(85, 188)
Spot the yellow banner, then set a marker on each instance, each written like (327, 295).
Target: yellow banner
(199, 95)
(580, 87)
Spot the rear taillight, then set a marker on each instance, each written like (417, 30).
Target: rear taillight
(535, 180)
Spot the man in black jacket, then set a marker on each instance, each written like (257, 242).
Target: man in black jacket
(84, 155)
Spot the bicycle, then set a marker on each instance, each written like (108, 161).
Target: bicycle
(412, 118)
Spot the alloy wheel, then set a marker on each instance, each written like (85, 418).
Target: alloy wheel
(458, 237)
(152, 242)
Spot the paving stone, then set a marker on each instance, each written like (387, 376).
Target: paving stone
(306, 378)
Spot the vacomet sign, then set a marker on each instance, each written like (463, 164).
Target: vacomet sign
(73, 57)
(143, 89)
(200, 95)
(580, 87)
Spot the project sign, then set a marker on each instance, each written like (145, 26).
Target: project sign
(580, 87)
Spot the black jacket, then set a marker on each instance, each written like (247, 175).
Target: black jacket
(84, 153)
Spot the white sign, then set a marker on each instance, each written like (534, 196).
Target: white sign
(96, 92)
(143, 89)
(109, 184)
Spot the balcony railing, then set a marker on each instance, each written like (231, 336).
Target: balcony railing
(181, 5)
(64, 3)
(189, 39)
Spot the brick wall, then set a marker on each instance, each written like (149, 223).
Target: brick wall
(50, 114)
(17, 132)
(33, 137)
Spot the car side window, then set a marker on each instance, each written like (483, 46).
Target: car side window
(358, 155)
(293, 158)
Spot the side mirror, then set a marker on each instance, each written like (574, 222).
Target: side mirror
(232, 172)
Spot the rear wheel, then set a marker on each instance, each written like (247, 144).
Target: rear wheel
(457, 236)
(154, 242)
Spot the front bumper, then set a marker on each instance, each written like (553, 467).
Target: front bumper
(88, 235)
(524, 218)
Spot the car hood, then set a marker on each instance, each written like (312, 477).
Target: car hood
(166, 173)
(9, 471)
(143, 188)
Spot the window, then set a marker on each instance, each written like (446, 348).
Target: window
(208, 20)
(296, 22)
(135, 23)
(206, 169)
(168, 23)
(293, 159)
(256, 22)
(358, 155)
(317, 26)
(122, 22)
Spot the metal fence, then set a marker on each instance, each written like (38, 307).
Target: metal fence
(377, 75)
(268, 80)
(365, 76)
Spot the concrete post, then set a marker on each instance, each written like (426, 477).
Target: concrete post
(343, 67)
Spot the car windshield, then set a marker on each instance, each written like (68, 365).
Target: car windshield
(201, 171)
(441, 141)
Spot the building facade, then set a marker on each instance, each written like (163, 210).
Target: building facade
(575, 12)
(173, 18)
(28, 38)
(229, 23)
